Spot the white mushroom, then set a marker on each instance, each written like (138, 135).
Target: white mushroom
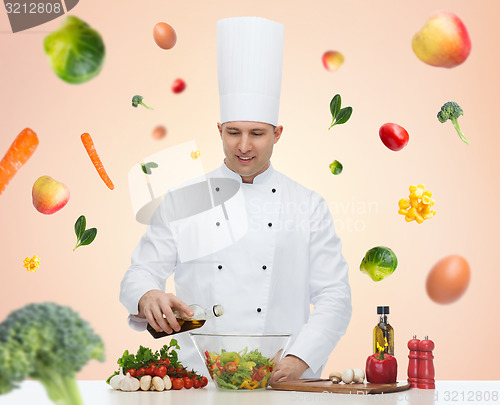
(167, 382)
(115, 380)
(348, 375)
(158, 383)
(145, 382)
(129, 383)
(359, 375)
(335, 377)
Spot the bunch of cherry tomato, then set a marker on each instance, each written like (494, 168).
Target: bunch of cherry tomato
(180, 376)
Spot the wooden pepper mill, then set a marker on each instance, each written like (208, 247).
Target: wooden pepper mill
(426, 364)
(413, 361)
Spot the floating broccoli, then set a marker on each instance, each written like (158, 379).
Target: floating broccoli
(136, 100)
(451, 111)
(49, 343)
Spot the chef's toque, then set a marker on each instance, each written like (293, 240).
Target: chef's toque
(249, 60)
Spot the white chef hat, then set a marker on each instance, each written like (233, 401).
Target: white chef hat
(249, 60)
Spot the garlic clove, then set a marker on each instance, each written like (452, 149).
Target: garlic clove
(145, 382)
(168, 382)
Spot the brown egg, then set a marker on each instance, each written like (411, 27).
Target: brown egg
(448, 279)
(164, 35)
(159, 132)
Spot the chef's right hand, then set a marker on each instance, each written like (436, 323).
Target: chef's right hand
(156, 303)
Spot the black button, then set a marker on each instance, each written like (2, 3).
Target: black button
(217, 223)
(269, 224)
(264, 267)
(259, 309)
(217, 188)
(219, 267)
(273, 190)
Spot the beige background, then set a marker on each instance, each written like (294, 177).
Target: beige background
(381, 78)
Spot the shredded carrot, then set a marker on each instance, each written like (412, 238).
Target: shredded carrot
(89, 147)
(17, 155)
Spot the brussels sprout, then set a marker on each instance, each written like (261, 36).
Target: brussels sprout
(75, 50)
(379, 262)
(336, 167)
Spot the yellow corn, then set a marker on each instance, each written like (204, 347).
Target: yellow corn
(418, 206)
(404, 203)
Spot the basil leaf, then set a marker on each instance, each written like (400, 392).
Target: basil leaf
(152, 165)
(335, 105)
(343, 115)
(88, 237)
(80, 227)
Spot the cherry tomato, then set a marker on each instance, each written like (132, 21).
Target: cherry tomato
(141, 372)
(178, 86)
(161, 371)
(177, 383)
(171, 370)
(204, 381)
(188, 383)
(165, 361)
(132, 372)
(263, 371)
(196, 383)
(230, 367)
(151, 370)
(180, 369)
(394, 136)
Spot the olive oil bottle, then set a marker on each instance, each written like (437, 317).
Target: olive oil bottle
(196, 321)
(383, 333)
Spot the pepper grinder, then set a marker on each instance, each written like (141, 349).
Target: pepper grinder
(425, 364)
(413, 362)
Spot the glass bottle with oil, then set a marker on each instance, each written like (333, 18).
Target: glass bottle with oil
(196, 321)
(383, 333)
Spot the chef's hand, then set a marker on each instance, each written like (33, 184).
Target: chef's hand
(156, 303)
(289, 368)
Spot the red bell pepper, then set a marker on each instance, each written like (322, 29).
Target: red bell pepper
(381, 368)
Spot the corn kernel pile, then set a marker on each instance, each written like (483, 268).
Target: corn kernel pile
(32, 264)
(418, 206)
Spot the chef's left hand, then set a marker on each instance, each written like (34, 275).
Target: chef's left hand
(289, 368)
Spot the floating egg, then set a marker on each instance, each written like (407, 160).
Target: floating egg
(164, 35)
(159, 132)
(448, 279)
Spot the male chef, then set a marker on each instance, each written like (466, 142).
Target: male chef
(288, 256)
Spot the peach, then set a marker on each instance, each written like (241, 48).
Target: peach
(332, 60)
(49, 195)
(443, 41)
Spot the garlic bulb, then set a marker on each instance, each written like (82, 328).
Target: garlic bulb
(129, 383)
(115, 380)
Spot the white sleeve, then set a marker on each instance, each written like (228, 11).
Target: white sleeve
(329, 290)
(153, 261)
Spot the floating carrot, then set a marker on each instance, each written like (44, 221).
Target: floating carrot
(89, 147)
(17, 155)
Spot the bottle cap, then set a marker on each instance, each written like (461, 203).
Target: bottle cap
(383, 310)
(386, 310)
(218, 310)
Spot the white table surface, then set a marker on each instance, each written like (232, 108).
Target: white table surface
(100, 393)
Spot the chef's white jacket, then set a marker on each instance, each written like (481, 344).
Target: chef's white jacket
(288, 258)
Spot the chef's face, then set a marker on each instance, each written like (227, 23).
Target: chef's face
(248, 146)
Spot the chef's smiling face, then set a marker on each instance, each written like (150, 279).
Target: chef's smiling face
(248, 146)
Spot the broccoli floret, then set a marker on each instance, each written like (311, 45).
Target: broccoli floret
(49, 343)
(451, 111)
(136, 100)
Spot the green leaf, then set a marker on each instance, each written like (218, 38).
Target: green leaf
(335, 105)
(88, 236)
(152, 165)
(343, 115)
(80, 225)
(145, 169)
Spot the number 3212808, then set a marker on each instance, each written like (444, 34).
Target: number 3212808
(33, 8)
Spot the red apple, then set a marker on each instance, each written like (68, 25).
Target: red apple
(332, 60)
(443, 41)
(49, 195)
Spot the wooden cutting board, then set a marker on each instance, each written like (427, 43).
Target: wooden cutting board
(313, 385)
